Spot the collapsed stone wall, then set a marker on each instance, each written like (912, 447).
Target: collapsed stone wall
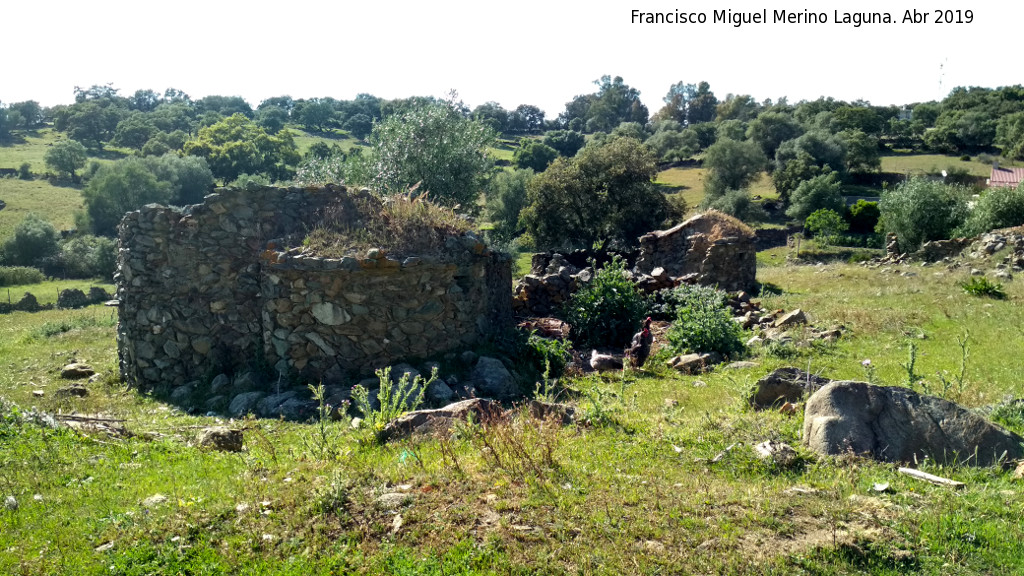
(206, 289)
(710, 248)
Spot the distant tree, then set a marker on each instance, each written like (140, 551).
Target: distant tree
(731, 165)
(862, 152)
(92, 122)
(283, 102)
(706, 132)
(633, 130)
(272, 118)
(526, 118)
(506, 198)
(820, 192)
(604, 193)
(5, 123)
(860, 118)
(961, 131)
(673, 144)
(926, 113)
(144, 101)
(316, 114)
(493, 114)
(174, 96)
(31, 113)
(534, 155)
(614, 103)
(574, 117)
(34, 239)
(118, 188)
(88, 256)
(224, 105)
(189, 177)
(771, 129)
(433, 144)
(1010, 135)
(742, 107)
(66, 157)
(703, 106)
(172, 116)
(863, 216)
(677, 102)
(359, 125)
(996, 208)
(105, 92)
(806, 157)
(732, 129)
(566, 142)
(920, 210)
(134, 131)
(736, 203)
(237, 145)
(162, 143)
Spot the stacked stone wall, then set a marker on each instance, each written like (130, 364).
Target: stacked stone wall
(197, 292)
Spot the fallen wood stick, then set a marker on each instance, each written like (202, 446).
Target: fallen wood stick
(85, 419)
(914, 473)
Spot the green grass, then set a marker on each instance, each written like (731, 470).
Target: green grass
(46, 292)
(303, 139)
(57, 204)
(632, 493)
(690, 183)
(30, 147)
(934, 163)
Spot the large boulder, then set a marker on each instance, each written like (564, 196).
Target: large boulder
(784, 385)
(492, 379)
(439, 419)
(899, 425)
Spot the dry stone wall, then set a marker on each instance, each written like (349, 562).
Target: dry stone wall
(210, 289)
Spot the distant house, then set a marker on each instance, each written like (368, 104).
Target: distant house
(1005, 177)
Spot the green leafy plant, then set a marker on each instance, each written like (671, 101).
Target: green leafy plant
(983, 287)
(607, 310)
(703, 324)
(826, 225)
(395, 398)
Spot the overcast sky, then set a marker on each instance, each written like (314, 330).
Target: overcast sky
(514, 52)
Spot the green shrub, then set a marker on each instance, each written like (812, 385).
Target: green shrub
(997, 208)
(25, 171)
(88, 256)
(820, 192)
(546, 355)
(668, 302)
(863, 216)
(983, 287)
(921, 209)
(826, 225)
(608, 310)
(703, 323)
(34, 240)
(17, 275)
(738, 204)
(395, 398)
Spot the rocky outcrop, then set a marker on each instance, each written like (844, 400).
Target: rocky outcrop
(899, 425)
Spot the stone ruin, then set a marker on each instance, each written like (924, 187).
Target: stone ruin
(213, 288)
(710, 248)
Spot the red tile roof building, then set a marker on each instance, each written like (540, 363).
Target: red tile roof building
(1005, 177)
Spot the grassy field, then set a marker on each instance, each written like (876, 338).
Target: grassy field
(916, 164)
(635, 491)
(690, 183)
(46, 292)
(303, 139)
(57, 204)
(31, 148)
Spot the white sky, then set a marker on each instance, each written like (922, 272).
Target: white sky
(513, 52)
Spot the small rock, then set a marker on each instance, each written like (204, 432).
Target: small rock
(792, 319)
(38, 393)
(11, 503)
(221, 438)
(244, 403)
(220, 384)
(154, 501)
(105, 547)
(392, 500)
(73, 391)
(1018, 474)
(76, 371)
(492, 379)
(741, 365)
(779, 452)
(695, 363)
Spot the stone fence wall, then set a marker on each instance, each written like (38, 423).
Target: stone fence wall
(205, 290)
